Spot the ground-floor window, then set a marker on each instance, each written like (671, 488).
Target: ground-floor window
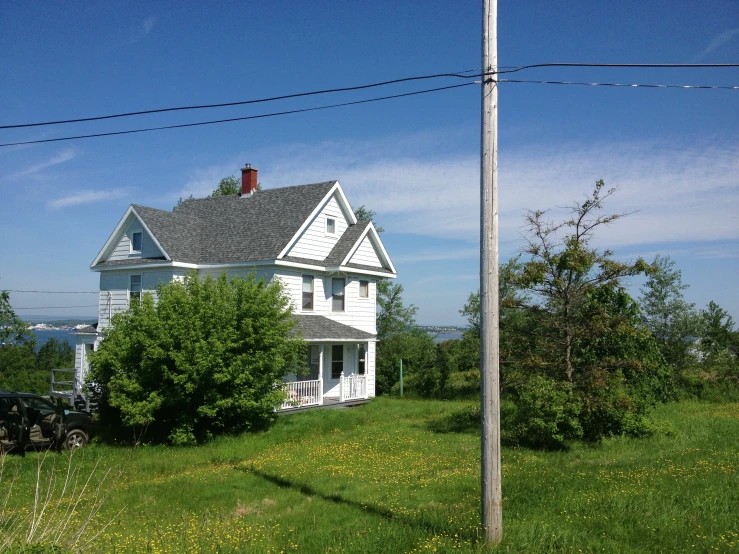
(337, 360)
(361, 355)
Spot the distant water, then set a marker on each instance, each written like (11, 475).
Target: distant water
(42, 337)
(441, 337)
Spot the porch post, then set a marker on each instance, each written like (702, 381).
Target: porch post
(341, 387)
(320, 376)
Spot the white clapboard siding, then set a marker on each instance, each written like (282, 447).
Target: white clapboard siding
(314, 243)
(114, 287)
(358, 312)
(122, 250)
(370, 369)
(366, 254)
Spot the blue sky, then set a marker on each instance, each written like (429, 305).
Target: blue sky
(674, 154)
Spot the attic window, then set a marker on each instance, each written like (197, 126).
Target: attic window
(136, 240)
(330, 226)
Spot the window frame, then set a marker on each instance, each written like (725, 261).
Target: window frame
(334, 361)
(361, 359)
(366, 284)
(336, 296)
(326, 229)
(312, 293)
(130, 285)
(133, 249)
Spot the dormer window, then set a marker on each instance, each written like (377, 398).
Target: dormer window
(330, 226)
(136, 240)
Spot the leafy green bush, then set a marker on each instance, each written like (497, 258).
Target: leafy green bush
(545, 414)
(201, 361)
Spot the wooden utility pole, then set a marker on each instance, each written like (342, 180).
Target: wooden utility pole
(492, 500)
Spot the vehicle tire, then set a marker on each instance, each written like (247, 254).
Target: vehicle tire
(76, 438)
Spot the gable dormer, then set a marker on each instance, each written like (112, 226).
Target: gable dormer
(321, 231)
(130, 240)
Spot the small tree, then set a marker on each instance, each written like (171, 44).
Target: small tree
(395, 322)
(203, 360)
(672, 321)
(563, 270)
(55, 354)
(18, 353)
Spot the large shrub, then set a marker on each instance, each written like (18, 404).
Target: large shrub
(202, 360)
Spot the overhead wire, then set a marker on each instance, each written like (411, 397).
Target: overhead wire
(53, 291)
(633, 85)
(57, 307)
(244, 118)
(457, 74)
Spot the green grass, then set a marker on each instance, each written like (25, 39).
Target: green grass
(392, 476)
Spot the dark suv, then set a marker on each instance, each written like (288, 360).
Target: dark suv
(29, 421)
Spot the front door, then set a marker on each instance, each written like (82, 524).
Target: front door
(314, 360)
(334, 370)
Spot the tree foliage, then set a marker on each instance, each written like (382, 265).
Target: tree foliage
(672, 321)
(564, 270)
(395, 334)
(203, 360)
(363, 214)
(18, 370)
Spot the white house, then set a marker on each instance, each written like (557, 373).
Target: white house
(307, 236)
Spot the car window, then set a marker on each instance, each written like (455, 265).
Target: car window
(38, 404)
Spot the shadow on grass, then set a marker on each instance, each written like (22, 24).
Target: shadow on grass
(422, 523)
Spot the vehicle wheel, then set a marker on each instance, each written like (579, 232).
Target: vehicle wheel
(76, 438)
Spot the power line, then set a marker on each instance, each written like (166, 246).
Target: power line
(633, 85)
(260, 116)
(622, 65)
(458, 74)
(54, 291)
(57, 307)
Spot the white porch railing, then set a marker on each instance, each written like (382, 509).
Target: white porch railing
(352, 387)
(302, 393)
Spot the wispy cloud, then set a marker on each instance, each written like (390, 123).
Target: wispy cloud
(58, 158)
(85, 197)
(718, 41)
(148, 24)
(138, 31)
(439, 255)
(678, 191)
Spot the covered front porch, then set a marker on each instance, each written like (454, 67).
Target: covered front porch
(340, 366)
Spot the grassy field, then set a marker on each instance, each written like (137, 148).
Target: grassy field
(399, 476)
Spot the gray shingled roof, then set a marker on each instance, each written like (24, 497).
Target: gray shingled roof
(232, 229)
(345, 243)
(318, 327)
(132, 261)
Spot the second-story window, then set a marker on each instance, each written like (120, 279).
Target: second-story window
(307, 292)
(134, 291)
(337, 294)
(136, 240)
(363, 289)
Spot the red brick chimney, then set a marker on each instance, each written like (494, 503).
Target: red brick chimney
(248, 180)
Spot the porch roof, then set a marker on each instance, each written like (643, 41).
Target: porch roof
(318, 328)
